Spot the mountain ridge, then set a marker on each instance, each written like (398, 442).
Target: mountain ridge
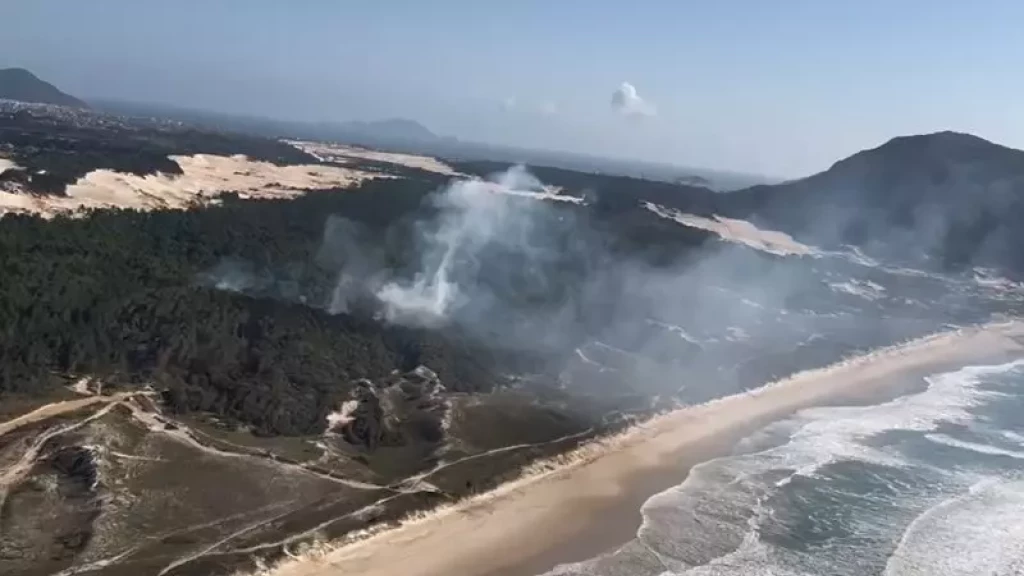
(22, 85)
(947, 195)
(388, 128)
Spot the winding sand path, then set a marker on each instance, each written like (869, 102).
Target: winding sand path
(13, 475)
(59, 408)
(181, 433)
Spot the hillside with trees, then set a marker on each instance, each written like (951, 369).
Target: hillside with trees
(21, 85)
(117, 294)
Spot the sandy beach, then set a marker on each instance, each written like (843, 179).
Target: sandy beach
(593, 505)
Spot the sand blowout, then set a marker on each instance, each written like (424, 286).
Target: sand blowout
(204, 178)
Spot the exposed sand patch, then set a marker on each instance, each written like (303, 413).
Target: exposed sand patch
(340, 153)
(497, 531)
(13, 475)
(205, 176)
(6, 165)
(546, 193)
(344, 416)
(739, 231)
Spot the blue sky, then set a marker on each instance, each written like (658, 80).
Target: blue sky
(776, 87)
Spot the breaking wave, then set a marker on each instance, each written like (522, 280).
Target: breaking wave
(929, 483)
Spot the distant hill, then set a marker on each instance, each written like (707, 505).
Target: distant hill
(398, 133)
(405, 135)
(694, 180)
(24, 86)
(949, 196)
(399, 129)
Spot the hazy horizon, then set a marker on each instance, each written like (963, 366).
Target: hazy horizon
(780, 90)
(636, 165)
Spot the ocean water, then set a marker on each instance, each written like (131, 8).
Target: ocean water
(930, 484)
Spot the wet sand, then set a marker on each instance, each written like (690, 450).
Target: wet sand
(593, 505)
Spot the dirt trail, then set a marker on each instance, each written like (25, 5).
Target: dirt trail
(13, 475)
(141, 543)
(61, 408)
(158, 424)
(421, 478)
(215, 545)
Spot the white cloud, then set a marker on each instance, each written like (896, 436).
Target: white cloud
(509, 103)
(626, 101)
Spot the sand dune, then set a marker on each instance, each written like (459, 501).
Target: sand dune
(340, 153)
(739, 231)
(6, 165)
(528, 525)
(550, 193)
(204, 177)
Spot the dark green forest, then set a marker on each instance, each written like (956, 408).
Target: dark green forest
(116, 293)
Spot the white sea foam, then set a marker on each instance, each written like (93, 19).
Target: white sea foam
(736, 334)
(865, 289)
(981, 532)
(975, 447)
(587, 360)
(710, 524)
(1013, 436)
(676, 329)
(857, 256)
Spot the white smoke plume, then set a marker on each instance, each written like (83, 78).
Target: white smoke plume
(473, 215)
(625, 100)
(630, 300)
(346, 246)
(712, 322)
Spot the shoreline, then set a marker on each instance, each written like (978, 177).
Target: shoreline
(592, 506)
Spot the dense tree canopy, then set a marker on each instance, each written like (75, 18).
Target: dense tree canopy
(116, 293)
(120, 293)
